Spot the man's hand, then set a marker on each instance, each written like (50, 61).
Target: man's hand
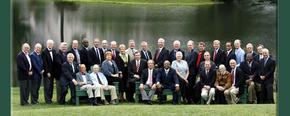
(262, 77)
(141, 87)
(48, 75)
(207, 87)
(42, 71)
(158, 85)
(75, 82)
(137, 76)
(176, 88)
(115, 75)
(153, 87)
(30, 73)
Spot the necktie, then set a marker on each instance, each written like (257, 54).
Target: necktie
(73, 68)
(149, 82)
(137, 66)
(146, 55)
(206, 72)
(214, 55)
(77, 56)
(265, 61)
(157, 55)
(114, 68)
(198, 59)
(234, 76)
(50, 53)
(100, 82)
(98, 55)
(113, 53)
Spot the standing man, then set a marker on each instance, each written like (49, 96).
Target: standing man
(172, 54)
(49, 64)
(104, 46)
(24, 73)
(37, 66)
(75, 51)
(267, 69)
(131, 50)
(114, 50)
(145, 53)
(259, 56)
(96, 55)
(84, 53)
(240, 53)
(230, 54)
(200, 56)
(218, 55)
(250, 49)
(161, 54)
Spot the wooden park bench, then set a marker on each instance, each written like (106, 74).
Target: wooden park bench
(80, 93)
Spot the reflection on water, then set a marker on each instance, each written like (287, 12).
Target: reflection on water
(36, 21)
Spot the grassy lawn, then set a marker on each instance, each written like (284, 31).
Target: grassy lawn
(130, 109)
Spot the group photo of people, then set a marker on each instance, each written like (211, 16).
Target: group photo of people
(240, 73)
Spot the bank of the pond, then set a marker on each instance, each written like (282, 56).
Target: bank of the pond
(150, 2)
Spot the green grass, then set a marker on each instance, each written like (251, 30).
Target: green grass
(130, 109)
(150, 2)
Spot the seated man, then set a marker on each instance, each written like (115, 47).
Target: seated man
(167, 79)
(99, 79)
(207, 78)
(147, 81)
(223, 81)
(85, 83)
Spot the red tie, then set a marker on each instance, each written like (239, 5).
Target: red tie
(137, 66)
(157, 55)
(198, 59)
(214, 55)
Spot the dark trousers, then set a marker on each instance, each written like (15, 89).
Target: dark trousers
(162, 97)
(24, 91)
(48, 88)
(185, 93)
(58, 89)
(130, 92)
(267, 93)
(220, 97)
(65, 84)
(34, 88)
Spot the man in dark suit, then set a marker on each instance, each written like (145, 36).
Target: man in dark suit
(167, 79)
(114, 50)
(37, 66)
(161, 54)
(267, 69)
(230, 54)
(172, 54)
(148, 81)
(218, 55)
(84, 56)
(250, 69)
(207, 80)
(237, 88)
(24, 73)
(135, 70)
(60, 59)
(259, 56)
(145, 53)
(190, 58)
(49, 64)
(68, 78)
(96, 55)
(75, 51)
(250, 49)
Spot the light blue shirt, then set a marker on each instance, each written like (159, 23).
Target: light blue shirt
(101, 76)
(181, 67)
(240, 54)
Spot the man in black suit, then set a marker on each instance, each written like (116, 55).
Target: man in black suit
(75, 51)
(96, 55)
(114, 50)
(207, 80)
(104, 46)
(24, 73)
(60, 59)
(172, 54)
(148, 81)
(135, 70)
(237, 88)
(250, 69)
(49, 64)
(230, 54)
(259, 56)
(167, 79)
(68, 78)
(190, 58)
(267, 69)
(250, 49)
(145, 53)
(84, 53)
(161, 54)
(218, 55)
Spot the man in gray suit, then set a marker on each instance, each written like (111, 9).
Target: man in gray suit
(131, 50)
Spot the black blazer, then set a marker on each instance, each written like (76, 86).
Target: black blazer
(191, 58)
(207, 79)
(267, 70)
(254, 70)
(239, 81)
(49, 65)
(172, 55)
(132, 70)
(254, 54)
(93, 59)
(60, 59)
(229, 56)
(121, 64)
(73, 52)
(163, 55)
(220, 57)
(143, 55)
(144, 76)
(167, 81)
(117, 52)
(84, 55)
(67, 71)
(23, 67)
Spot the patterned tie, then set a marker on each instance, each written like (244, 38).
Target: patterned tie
(137, 66)
(214, 55)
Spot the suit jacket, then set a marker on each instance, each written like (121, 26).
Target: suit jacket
(67, 71)
(22, 67)
(208, 79)
(144, 76)
(254, 54)
(143, 55)
(60, 59)
(163, 55)
(191, 58)
(219, 58)
(122, 66)
(132, 69)
(37, 65)
(74, 53)
(229, 56)
(167, 81)
(49, 65)
(172, 54)
(198, 62)
(93, 58)
(267, 70)
(79, 78)
(240, 80)
(253, 70)
(109, 69)
(117, 52)
(84, 55)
